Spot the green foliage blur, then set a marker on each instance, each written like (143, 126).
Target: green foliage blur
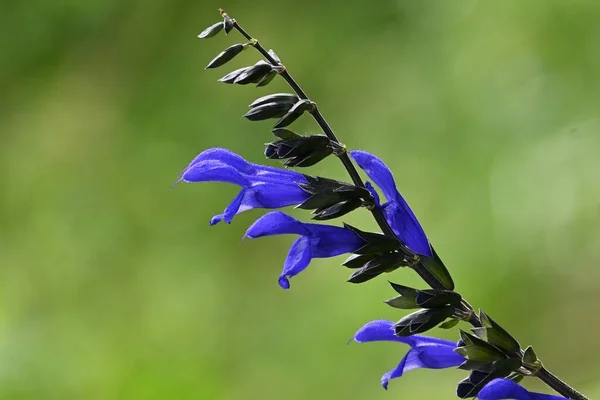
(113, 286)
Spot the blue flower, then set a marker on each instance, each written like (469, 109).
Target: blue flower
(262, 186)
(396, 209)
(316, 241)
(425, 352)
(499, 389)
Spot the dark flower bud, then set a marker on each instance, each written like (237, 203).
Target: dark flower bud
(375, 242)
(230, 77)
(376, 265)
(451, 323)
(276, 98)
(358, 260)
(478, 349)
(228, 22)
(295, 112)
(226, 55)
(427, 298)
(301, 151)
(211, 30)
(267, 79)
(481, 366)
(268, 110)
(436, 267)
(407, 298)
(330, 198)
(337, 210)
(496, 335)
(431, 298)
(254, 74)
(422, 320)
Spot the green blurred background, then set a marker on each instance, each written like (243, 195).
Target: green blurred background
(114, 287)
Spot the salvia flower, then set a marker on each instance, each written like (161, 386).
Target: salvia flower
(396, 209)
(426, 352)
(316, 241)
(262, 186)
(500, 389)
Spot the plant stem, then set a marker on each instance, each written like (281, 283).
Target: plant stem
(561, 387)
(543, 374)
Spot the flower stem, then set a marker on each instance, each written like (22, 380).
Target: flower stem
(561, 387)
(543, 374)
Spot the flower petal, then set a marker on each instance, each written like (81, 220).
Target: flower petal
(232, 209)
(499, 389)
(276, 223)
(377, 171)
(296, 261)
(397, 372)
(214, 171)
(383, 331)
(397, 211)
(379, 331)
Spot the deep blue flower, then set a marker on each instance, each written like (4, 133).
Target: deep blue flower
(500, 389)
(425, 352)
(262, 186)
(316, 241)
(396, 209)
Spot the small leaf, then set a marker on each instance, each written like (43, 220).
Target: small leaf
(529, 356)
(272, 54)
(405, 302)
(422, 320)
(254, 74)
(358, 260)
(477, 349)
(472, 365)
(500, 338)
(336, 210)
(436, 267)
(225, 56)
(230, 77)
(295, 112)
(376, 266)
(430, 298)
(266, 111)
(276, 98)
(228, 22)
(484, 319)
(267, 79)
(403, 290)
(211, 30)
(376, 242)
(451, 323)
(285, 134)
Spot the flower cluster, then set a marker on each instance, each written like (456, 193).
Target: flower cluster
(495, 360)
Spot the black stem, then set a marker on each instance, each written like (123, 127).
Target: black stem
(543, 374)
(561, 387)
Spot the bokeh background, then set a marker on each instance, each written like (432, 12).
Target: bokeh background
(113, 286)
